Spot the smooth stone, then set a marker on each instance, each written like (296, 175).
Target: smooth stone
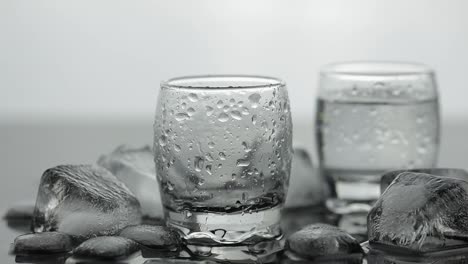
(158, 237)
(320, 240)
(43, 243)
(106, 247)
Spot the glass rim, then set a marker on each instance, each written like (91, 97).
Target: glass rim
(376, 68)
(232, 81)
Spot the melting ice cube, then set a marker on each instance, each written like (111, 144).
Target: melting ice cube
(135, 167)
(84, 201)
(421, 212)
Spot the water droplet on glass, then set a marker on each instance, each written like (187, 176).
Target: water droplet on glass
(176, 147)
(223, 117)
(190, 111)
(254, 119)
(245, 111)
(193, 97)
(198, 163)
(236, 115)
(208, 169)
(209, 110)
(208, 157)
(232, 101)
(219, 104)
(181, 117)
(162, 140)
(242, 163)
(222, 156)
(211, 144)
(254, 99)
(246, 147)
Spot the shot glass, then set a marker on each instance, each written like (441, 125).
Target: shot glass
(223, 151)
(374, 117)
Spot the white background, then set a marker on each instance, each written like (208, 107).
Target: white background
(103, 60)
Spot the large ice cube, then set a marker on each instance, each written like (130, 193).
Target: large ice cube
(306, 186)
(135, 167)
(420, 212)
(388, 177)
(84, 201)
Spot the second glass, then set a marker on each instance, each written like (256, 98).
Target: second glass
(223, 155)
(373, 117)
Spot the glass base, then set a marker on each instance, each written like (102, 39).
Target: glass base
(216, 229)
(262, 252)
(353, 191)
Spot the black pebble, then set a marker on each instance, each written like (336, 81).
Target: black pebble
(106, 247)
(319, 240)
(43, 243)
(158, 237)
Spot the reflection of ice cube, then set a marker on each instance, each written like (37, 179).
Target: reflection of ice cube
(135, 167)
(85, 201)
(388, 177)
(306, 186)
(420, 212)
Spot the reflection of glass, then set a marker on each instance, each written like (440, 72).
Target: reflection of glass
(223, 155)
(373, 117)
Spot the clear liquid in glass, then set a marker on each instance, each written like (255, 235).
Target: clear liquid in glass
(360, 140)
(223, 159)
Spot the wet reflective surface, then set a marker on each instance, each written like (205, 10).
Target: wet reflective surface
(267, 252)
(27, 142)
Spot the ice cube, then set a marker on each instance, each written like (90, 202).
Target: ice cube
(388, 177)
(322, 240)
(306, 186)
(84, 201)
(135, 167)
(420, 212)
(106, 247)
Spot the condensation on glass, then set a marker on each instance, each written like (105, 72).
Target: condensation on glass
(223, 154)
(374, 117)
